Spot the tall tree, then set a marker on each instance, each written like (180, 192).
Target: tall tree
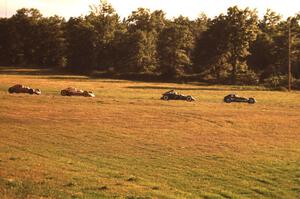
(143, 30)
(105, 21)
(241, 29)
(211, 52)
(295, 45)
(175, 46)
(81, 44)
(24, 29)
(226, 42)
(52, 46)
(6, 42)
(266, 49)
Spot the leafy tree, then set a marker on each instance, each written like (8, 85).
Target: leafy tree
(81, 44)
(6, 41)
(139, 20)
(143, 30)
(175, 47)
(142, 54)
(295, 45)
(265, 56)
(234, 47)
(51, 48)
(211, 52)
(24, 27)
(227, 42)
(105, 21)
(270, 50)
(241, 30)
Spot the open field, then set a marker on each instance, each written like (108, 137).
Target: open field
(126, 143)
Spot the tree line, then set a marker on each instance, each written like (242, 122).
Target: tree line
(236, 47)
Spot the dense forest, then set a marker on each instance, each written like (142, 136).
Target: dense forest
(235, 48)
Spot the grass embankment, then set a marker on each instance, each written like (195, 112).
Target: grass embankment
(127, 143)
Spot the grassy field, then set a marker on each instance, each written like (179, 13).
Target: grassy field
(126, 143)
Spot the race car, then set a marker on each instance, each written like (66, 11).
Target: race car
(71, 91)
(18, 88)
(172, 95)
(235, 98)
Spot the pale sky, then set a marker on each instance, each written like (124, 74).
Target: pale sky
(173, 8)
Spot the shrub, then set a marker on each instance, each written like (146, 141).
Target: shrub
(248, 77)
(296, 84)
(278, 82)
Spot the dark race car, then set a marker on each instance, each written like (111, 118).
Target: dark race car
(172, 95)
(235, 98)
(71, 91)
(18, 88)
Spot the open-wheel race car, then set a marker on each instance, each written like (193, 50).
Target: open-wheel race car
(235, 98)
(19, 88)
(172, 95)
(71, 91)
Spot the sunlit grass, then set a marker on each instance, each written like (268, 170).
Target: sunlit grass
(127, 143)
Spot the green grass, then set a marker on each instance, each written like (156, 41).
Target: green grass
(126, 143)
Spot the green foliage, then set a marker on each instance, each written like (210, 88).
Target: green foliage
(296, 84)
(270, 50)
(105, 23)
(5, 42)
(81, 44)
(248, 77)
(143, 30)
(30, 39)
(241, 29)
(280, 82)
(276, 81)
(175, 48)
(142, 57)
(235, 47)
(51, 42)
(225, 44)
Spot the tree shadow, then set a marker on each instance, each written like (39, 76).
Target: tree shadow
(63, 74)
(177, 88)
(31, 71)
(200, 88)
(43, 73)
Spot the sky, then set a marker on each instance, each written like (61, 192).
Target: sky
(173, 8)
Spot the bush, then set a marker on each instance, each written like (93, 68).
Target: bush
(281, 88)
(296, 84)
(247, 78)
(276, 81)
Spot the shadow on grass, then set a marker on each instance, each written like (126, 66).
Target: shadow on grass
(30, 71)
(207, 88)
(67, 77)
(50, 73)
(45, 73)
(175, 88)
(63, 74)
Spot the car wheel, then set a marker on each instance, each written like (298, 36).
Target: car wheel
(11, 90)
(251, 101)
(64, 93)
(165, 97)
(189, 98)
(38, 91)
(227, 100)
(85, 94)
(30, 91)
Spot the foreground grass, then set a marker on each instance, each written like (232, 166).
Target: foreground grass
(126, 143)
